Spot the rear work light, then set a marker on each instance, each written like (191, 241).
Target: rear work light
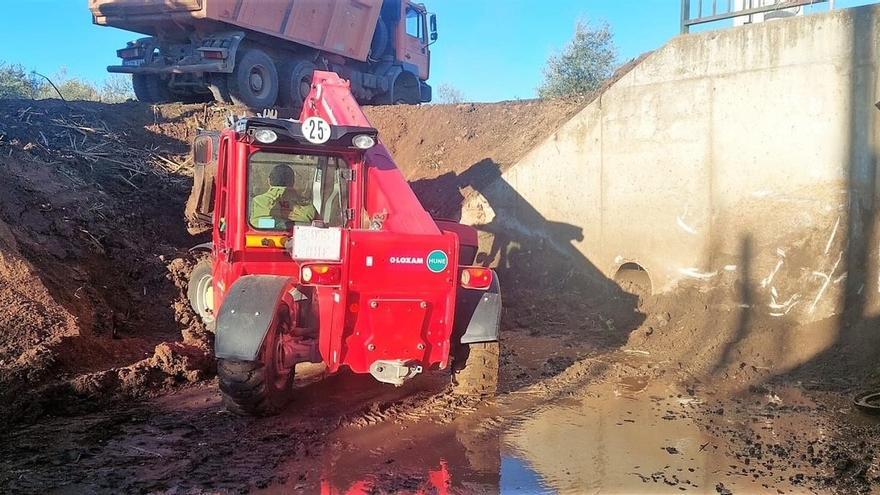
(265, 136)
(320, 274)
(474, 277)
(363, 142)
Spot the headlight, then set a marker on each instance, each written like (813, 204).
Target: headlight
(362, 141)
(265, 136)
(306, 274)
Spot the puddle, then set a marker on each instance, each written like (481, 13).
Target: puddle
(626, 437)
(612, 441)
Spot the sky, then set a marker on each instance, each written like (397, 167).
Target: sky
(490, 50)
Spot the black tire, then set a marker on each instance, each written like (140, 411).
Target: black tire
(150, 88)
(254, 83)
(257, 388)
(193, 96)
(199, 291)
(406, 90)
(381, 39)
(475, 368)
(296, 83)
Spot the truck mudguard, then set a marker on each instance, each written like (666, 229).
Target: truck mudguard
(247, 315)
(478, 314)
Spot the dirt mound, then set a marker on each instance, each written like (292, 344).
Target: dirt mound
(88, 283)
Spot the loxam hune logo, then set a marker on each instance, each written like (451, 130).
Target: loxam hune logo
(406, 260)
(437, 261)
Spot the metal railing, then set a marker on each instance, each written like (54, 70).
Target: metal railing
(720, 13)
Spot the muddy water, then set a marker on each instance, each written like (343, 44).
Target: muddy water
(630, 436)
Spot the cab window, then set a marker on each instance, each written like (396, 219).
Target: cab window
(296, 189)
(414, 25)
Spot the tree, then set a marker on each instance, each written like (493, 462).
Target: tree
(71, 89)
(583, 65)
(447, 93)
(117, 89)
(16, 82)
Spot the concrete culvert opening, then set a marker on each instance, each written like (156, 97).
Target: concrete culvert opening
(633, 278)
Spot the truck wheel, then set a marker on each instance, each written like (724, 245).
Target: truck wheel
(150, 88)
(254, 83)
(200, 292)
(193, 96)
(406, 90)
(475, 368)
(296, 83)
(258, 388)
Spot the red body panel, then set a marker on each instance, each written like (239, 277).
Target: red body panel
(397, 296)
(405, 310)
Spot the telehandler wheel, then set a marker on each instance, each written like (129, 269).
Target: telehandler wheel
(475, 368)
(254, 83)
(200, 292)
(258, 388)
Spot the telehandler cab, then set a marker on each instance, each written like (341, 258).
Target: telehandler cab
(322, 253)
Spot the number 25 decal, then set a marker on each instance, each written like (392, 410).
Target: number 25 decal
(316, 130)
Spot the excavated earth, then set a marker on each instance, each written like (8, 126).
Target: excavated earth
(107, 383)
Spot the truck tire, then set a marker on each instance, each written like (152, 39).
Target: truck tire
(193, 96)
(406, 90)
(200, 292)
(150, 88)
(258, 388)
(254, 83)
(475, 368)
(296, 82)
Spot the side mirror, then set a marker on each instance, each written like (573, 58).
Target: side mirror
(433, 24)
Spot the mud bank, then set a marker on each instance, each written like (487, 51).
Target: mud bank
(92, 258)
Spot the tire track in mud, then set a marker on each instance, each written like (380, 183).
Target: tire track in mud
(412, 444)
(187, 441)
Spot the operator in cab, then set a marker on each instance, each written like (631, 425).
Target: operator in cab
(279, 208)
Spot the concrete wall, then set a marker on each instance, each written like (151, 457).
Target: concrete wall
(744, 153)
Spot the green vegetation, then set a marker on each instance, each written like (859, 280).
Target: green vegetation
(583, 65)
(18, 82)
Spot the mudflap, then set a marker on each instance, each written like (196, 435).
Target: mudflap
(478, 315)
(247, 315)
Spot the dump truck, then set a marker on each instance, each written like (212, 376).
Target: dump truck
(263, 53)
(322, 253)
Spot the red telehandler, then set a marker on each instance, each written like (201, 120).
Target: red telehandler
(322, 253)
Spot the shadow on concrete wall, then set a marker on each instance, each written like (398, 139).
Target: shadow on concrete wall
(857, 343)
(535, 257)
(853, 335)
